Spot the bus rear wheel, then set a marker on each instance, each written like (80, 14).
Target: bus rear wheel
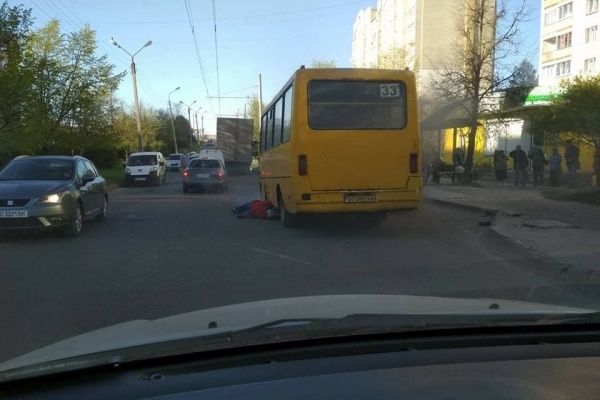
(288, 220)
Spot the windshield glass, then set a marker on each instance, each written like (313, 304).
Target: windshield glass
(443, 151)
(135, 161)
(204, 164)
(356, 105)
(37, 170)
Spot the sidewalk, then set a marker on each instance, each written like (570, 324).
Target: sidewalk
(566, 232)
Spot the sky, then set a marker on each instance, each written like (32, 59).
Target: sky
(268, 37)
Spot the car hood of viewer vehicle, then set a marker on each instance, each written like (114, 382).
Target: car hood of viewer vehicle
(245, 315)
(30, 189)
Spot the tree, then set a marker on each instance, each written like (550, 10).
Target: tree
(253, 111)
(523, 75)
(71, 90)
(323, 64)
(15, 79)
(489, 35)
(396, 58)
(575, 114)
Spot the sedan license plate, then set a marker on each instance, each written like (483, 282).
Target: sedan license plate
(14, 214)
(140, 179)
(368, 198)
(203, 175)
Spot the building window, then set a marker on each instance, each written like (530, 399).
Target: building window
(551, 17)
(589, 66)
(548, 71)
(592, 6)
(563, 68)
(564, 40)
(373, 38)
(590, 34)
(565, 11)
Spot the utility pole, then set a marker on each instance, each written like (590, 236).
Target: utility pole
(202, 119)
(173, 120)
(197, 130)
(245, 113)
(191, 126)
(259, 101)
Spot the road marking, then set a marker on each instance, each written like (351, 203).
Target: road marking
(279, 255)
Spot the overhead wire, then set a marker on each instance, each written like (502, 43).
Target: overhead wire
(197, 49)
(119, 57)
(216, 53)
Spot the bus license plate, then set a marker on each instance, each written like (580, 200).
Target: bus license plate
(371, 198)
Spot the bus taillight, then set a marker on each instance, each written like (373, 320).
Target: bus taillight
(414, 163)
(302, 165)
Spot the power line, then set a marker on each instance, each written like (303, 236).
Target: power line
(191, 22)
(241, 90)
(109, 49)
(216, 53)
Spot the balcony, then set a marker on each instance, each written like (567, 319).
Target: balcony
(556, 55)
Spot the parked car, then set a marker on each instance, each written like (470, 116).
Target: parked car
(202, 173)
(46, 192)
(174, 162)
(147, 167)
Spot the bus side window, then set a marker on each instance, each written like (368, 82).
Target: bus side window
(270, 128)
(263, 133)
(277, 122)
(287, 115)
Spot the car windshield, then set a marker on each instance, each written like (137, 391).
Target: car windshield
(204, 164)
(37, 170)
(135, 161)
(443, 151)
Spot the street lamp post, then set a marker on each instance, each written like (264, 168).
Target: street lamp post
(135, 92)
(202, 119)
(196, 118)
(173, 119)
(189, 117)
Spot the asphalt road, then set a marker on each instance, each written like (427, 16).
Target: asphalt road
(162, 253)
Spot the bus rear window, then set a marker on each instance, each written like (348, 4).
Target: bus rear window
(355, 105)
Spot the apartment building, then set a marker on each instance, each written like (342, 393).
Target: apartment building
(569, 40)
(425, 30)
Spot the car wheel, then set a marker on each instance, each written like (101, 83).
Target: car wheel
(288, 220)
(75, 224)
(186, 189)
(104, 211)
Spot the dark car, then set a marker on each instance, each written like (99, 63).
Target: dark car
(201, 173)
(45, 192)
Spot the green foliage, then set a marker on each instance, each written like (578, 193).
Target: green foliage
(523, 75)
(323, 64)
(574, 114)
(254, 113)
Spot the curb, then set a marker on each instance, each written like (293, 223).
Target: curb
(462, 206)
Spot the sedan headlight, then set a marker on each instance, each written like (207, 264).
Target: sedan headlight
(153, 169)
(55, 198)
(128, 170)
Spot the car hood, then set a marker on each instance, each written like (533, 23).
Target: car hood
(30, 189)
(245, 315)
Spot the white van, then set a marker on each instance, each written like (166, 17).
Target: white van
(147, 167)
(206, 154)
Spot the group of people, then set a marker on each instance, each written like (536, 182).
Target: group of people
(521, 163)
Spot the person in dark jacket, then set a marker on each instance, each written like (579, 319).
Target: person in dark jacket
(572, 161)
(520, 163)
(500, 166)
(538, 164)
(554, 162)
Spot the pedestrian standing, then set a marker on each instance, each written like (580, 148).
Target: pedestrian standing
(538, 164)
(500, 166)
(572, 160)
(554, 162)
(520, 163)
(184, 160)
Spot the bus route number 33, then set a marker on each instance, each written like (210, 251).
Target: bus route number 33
(389, 90)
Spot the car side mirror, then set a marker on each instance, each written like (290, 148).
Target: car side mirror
(87, 179)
